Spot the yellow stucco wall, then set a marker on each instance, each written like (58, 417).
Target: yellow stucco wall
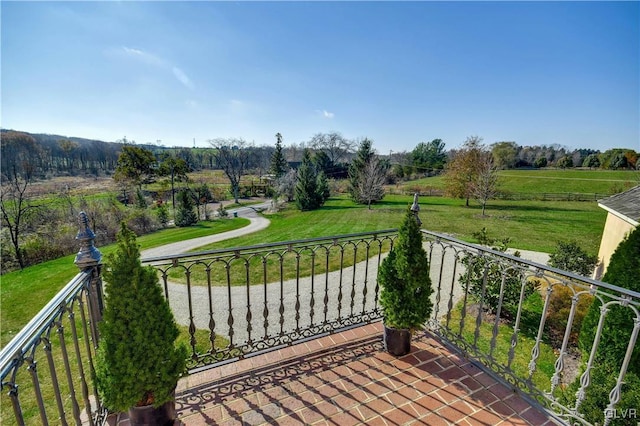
(615, 230)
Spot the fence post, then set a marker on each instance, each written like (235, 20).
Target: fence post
(89, 259)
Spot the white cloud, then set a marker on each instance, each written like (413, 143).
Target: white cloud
(326, 114)
(156, 61)
(182, 77)
(143, 56)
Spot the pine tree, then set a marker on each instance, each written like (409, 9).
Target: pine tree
(323, 187)
(185, 215)
(308, 195)
(361, 179)
(279, 164)
(137, 362)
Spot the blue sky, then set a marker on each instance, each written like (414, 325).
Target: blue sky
(397, 72)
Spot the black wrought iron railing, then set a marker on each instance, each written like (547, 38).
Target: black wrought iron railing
(242, 301)
(519, 319)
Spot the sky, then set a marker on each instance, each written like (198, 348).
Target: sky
(398, 73)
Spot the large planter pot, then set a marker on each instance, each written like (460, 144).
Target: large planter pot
(397, 341)
(148, 415)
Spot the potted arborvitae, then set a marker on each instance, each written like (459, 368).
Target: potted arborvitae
(138, 363)
(405, 294)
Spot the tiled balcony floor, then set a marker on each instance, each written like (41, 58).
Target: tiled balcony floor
(349, 379)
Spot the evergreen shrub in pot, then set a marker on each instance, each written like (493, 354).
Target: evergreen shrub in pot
(138, 363)
(405, 294)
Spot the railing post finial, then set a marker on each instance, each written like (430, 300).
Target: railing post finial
(415, 208)
(88, 255)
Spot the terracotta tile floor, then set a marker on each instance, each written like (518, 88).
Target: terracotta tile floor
(349, 379)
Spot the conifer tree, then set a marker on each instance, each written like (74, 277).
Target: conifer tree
(405, 294)
(185, 215)
(308, 195)
(366, 175)
(323, 186)
(137, 362)
(279, 165)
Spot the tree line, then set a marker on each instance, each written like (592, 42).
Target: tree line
(60, 155)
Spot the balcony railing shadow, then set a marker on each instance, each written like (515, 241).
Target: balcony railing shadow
(496, 309)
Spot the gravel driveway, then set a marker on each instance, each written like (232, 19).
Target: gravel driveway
(261, 311)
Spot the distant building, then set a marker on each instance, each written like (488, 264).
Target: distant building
(623, 216)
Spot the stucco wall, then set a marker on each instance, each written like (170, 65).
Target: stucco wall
(615, 230)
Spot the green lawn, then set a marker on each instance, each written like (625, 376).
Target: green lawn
(24, 293)
(538, 181)
(531, 225)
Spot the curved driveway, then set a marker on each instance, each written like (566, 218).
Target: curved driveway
(258, 223)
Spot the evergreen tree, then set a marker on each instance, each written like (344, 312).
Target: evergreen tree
(141, 203)
(279, 165)
(323, 186)
(163, 214)
(360, 170)
(185, 215)
(137, 362)
(405, 294)
(308, 195)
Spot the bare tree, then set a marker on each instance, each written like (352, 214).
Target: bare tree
(370, 185)
(286, 185)
(333, 144)
(15, 203)
(233, 156)
(485, 184)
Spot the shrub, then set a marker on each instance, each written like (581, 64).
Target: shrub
(405, 294)
(560, 302)
(484, 276)
(594, 405)
(162, 213)
(570, 257)
(141, 221)
(623, 271)
(137, 361)
(222, 212)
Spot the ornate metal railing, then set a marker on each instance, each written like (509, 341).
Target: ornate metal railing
(242, 301)
(522, 321)
(517, 318)
(47, 369)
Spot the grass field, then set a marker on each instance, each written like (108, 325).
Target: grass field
(531, 225)
(537, 181)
